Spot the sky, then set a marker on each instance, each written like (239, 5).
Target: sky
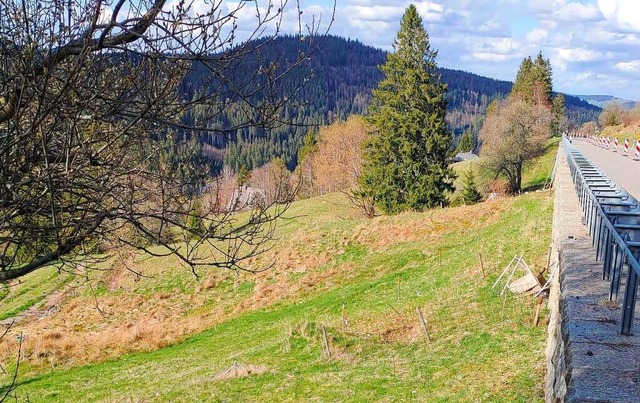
(593, 45)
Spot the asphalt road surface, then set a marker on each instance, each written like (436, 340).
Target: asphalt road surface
(624, 171)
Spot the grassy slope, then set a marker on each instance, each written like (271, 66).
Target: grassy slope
(631, 132)
(482, 348)
(18, 297)
(535, 175)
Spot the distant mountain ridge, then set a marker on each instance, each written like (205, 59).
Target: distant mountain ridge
(602, 101)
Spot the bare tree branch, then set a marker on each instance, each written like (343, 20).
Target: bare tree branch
(99, 149)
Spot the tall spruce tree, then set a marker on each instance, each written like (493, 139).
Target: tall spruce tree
(558, 110)
(534, 82)
(405, 164)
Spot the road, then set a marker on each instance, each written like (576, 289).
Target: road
(624, 171)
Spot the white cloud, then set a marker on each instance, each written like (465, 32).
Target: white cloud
(537, 35)
(632, 66)
(375, 13)
(577, 12)
(579, 55)
(430, 12)
(490, 26)
(490, 57)
(497, 50)
(372, 25)
(585, 76)
(505, 46)
(622, 14)
(594, 38)
(105, 15)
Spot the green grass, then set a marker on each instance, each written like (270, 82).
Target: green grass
(535, 173)
(538, 173)
(483, 346)
(18, 297)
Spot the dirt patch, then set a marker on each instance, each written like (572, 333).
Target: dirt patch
(239, 371)
(401, 331)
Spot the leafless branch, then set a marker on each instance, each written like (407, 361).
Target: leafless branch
(97, 147)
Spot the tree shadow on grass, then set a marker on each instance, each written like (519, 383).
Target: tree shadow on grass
(534, 187)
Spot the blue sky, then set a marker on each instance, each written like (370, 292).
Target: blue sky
(593, 45)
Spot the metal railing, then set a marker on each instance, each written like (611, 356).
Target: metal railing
(613, 218)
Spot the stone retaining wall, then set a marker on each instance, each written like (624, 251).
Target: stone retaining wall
(587, 358)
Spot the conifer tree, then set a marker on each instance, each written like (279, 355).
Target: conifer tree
(194, 221)
(543, 77)
(534, 81)
(244, 175)
(523, 85)
(305, 169)
(516, 132)
(466, 143)
(558, 111)
(470, 193)
(405, 163)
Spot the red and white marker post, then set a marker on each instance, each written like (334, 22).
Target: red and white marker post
(626, 147)
(615, 144)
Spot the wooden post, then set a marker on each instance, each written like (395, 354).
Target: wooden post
(394, 365)
(344, 320)
(548, 260)
(326, 343)
(536, 318)
(481, 265)
(395, 310)
(423, 324)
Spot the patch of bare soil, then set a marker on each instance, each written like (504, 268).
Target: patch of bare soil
(240, 371)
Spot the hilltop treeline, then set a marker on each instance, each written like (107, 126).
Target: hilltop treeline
(334, 84)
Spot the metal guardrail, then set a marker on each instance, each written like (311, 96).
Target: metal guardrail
(613, 218)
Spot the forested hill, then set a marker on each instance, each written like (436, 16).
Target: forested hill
(342, 73)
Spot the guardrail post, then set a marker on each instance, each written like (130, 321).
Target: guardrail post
(629, 305)
(606, 267)
(616, 275)
(598, 237)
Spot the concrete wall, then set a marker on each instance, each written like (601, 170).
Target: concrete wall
(587, 358)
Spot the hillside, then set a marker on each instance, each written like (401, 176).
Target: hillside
(343, 72)
(166, 336)
(602, 101)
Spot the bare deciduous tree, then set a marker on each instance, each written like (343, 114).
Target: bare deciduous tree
(613, 114)
(512, 135)
(589, 128)
(634, 113)
(95, 149)
(338, 160)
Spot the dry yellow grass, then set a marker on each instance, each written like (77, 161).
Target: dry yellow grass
(631, 131)
(135, 314)
(387, 231)
(94, 328)
(326, 263)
